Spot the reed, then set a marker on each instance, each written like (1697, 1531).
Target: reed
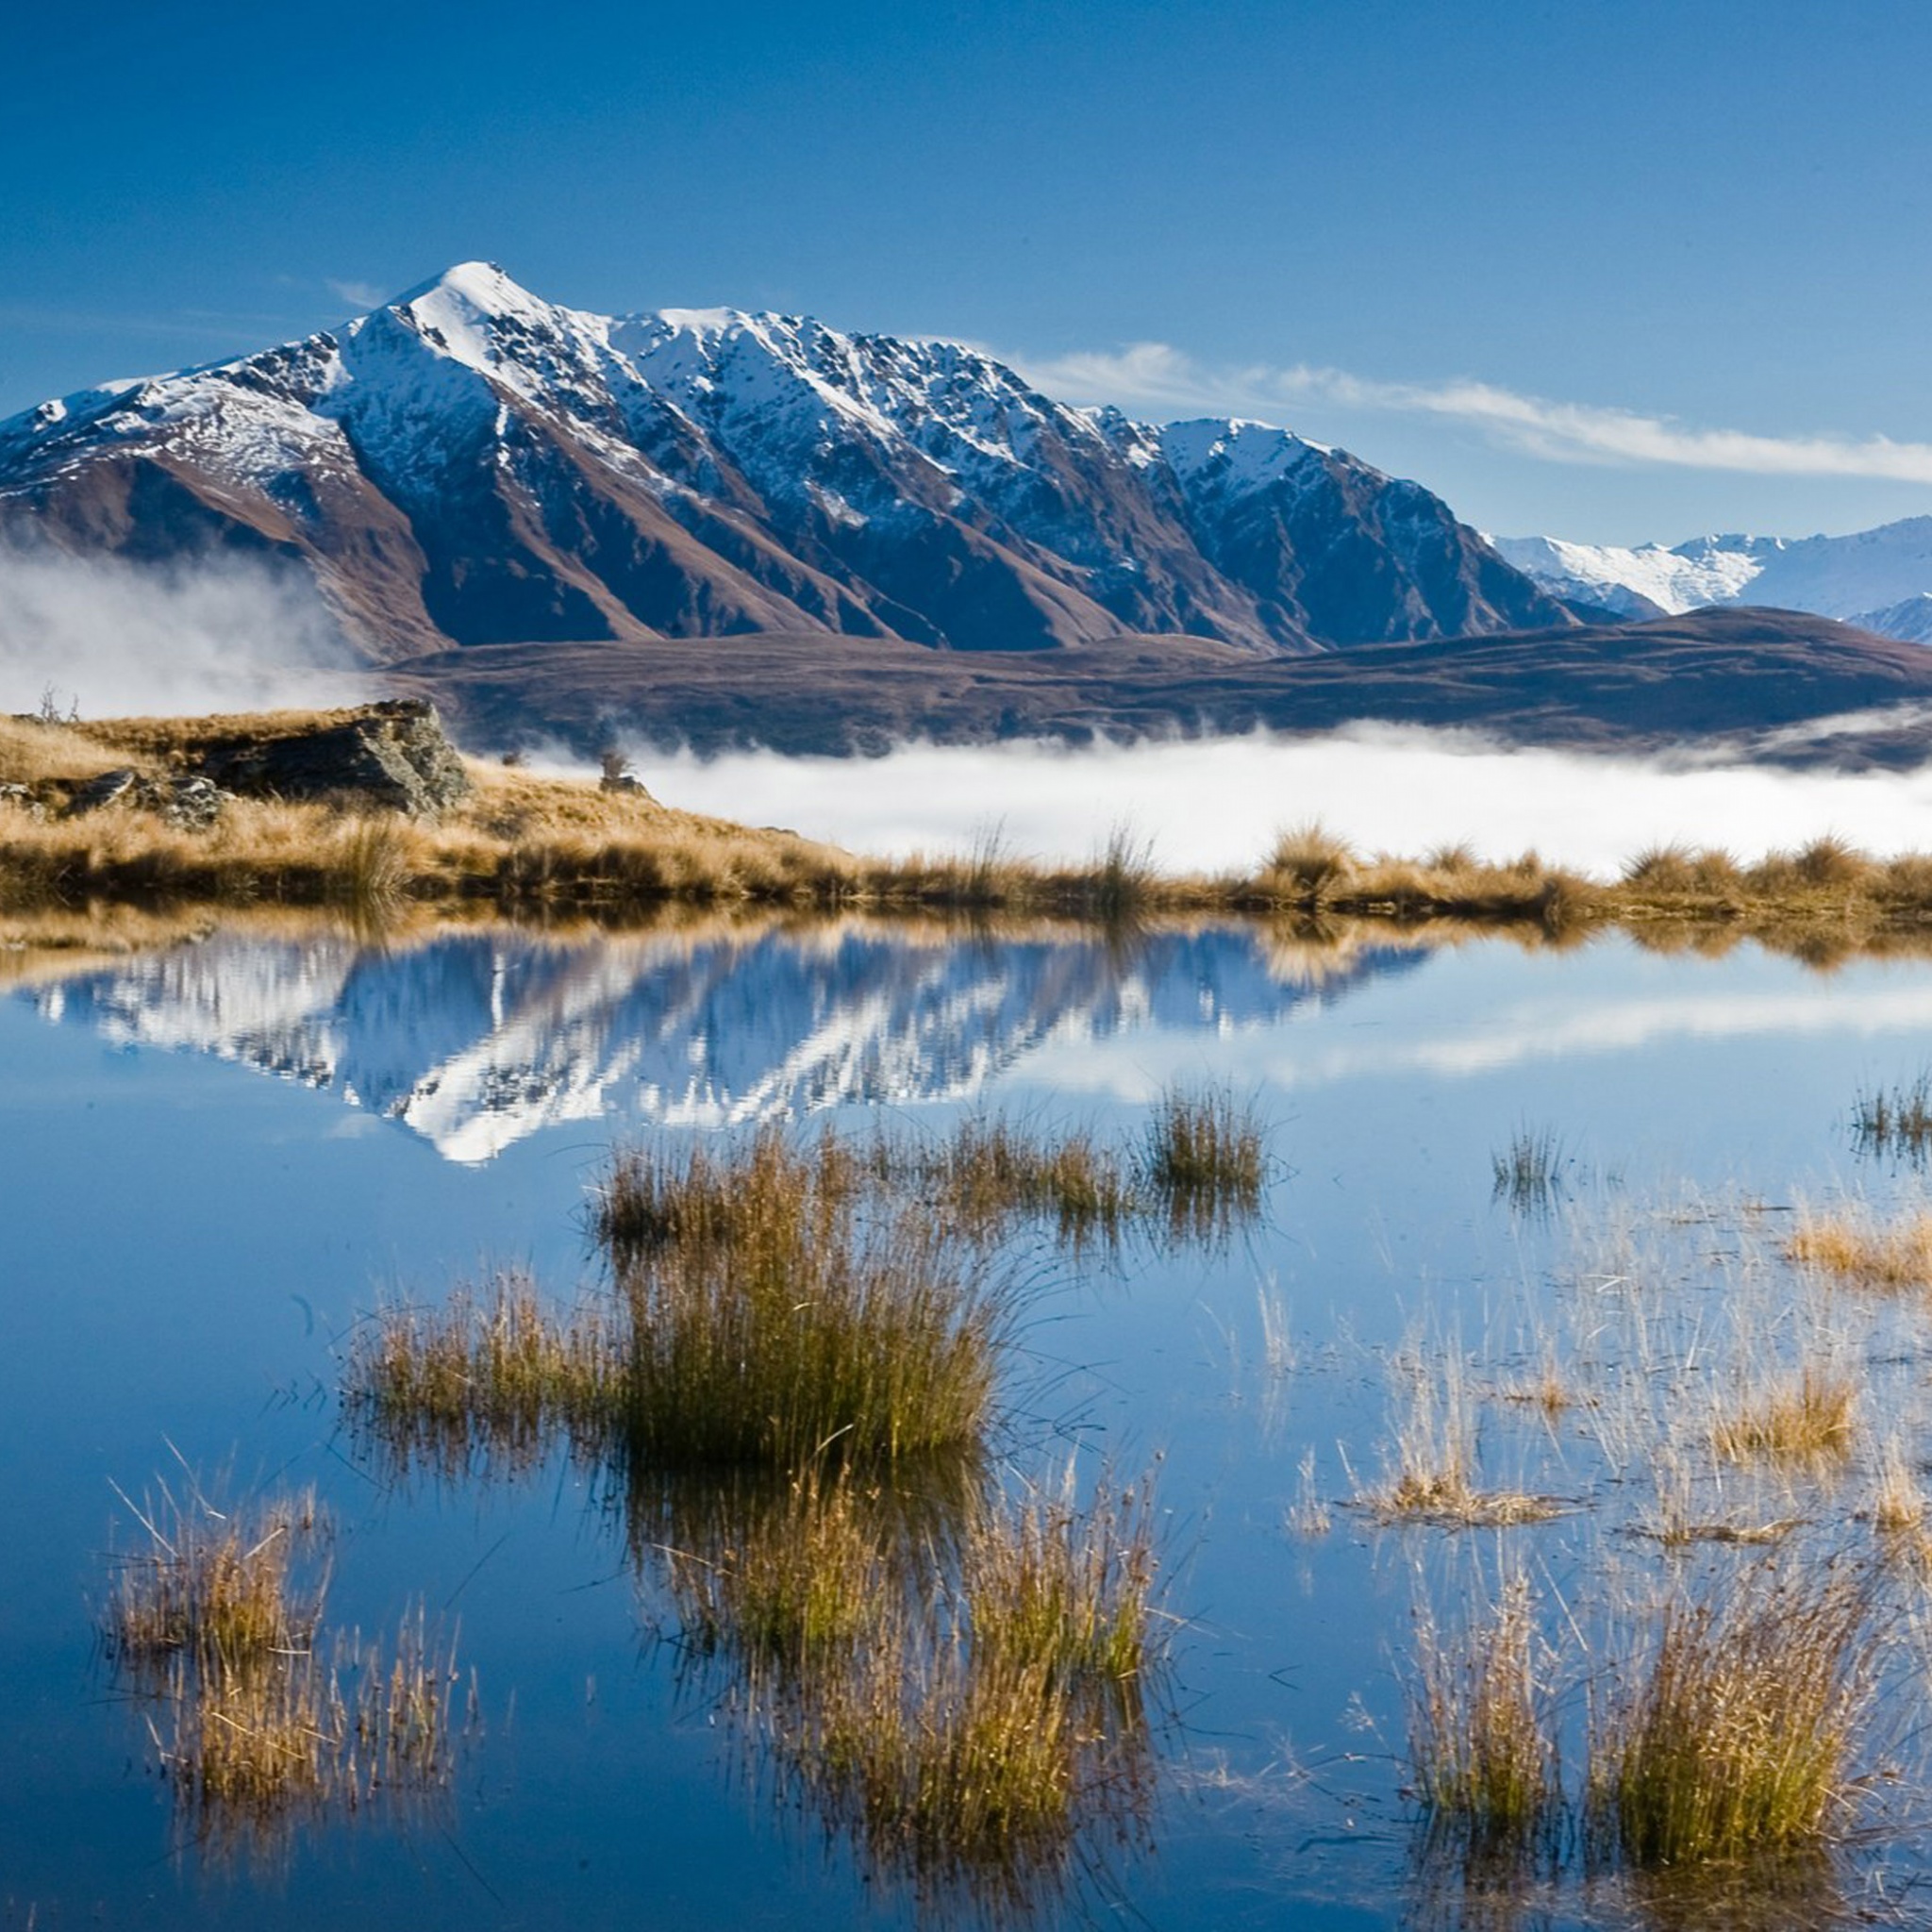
(1205, 1156)
(1482, 1737)
(1732, 1736)
(1850, 1247)
(496, 1376)
(773, 1313)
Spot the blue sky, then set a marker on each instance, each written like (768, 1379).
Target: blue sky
(1607, 271)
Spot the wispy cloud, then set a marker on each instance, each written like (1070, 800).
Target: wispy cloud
(356, 294)
(1156, 376)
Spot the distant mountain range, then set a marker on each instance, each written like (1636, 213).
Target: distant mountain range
(716, 528)
(471, 465)
(1880, 580)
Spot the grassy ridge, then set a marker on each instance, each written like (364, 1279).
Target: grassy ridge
(526, 843)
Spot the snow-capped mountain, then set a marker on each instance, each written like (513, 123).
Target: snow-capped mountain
(1873, 578)
(477, 1040)
(470, 464)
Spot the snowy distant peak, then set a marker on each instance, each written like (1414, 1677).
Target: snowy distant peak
(1869, 575)
(1647, 581)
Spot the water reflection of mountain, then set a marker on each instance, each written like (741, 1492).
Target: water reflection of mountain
(479, 1039)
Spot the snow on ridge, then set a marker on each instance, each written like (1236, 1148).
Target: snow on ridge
(1859, 577)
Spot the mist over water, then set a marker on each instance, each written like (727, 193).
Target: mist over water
(108, 637)
(1215, 803)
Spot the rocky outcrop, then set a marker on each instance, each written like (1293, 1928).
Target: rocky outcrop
(190, 802)
(393, 753)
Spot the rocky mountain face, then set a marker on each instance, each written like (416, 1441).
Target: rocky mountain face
(472, 465)
(1878, 579)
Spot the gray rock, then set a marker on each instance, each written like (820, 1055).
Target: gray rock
(193, 803)
(107, 788)
(393, 753)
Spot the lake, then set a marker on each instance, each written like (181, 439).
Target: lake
(221, 1157)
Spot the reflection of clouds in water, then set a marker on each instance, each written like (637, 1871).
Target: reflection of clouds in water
(1212, 805)
(1135, 1070)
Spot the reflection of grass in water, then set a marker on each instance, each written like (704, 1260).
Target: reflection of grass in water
(215, 1628)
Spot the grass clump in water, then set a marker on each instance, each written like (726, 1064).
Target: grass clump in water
(1733, 1739)
(1527, 1171)
(216, 1625)
(494, 1377)
(1482, 1741)
(790, 1577)
(985, 1728)
(1050, 1581)
(1896, 1120)
(990, 1170)
(1850, 1247)
(218, 1588)
(1432, 1461)
(1809, 1417)
(1206, 1158)
(773, 1313)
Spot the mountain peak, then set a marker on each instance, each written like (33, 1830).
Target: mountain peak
(472, 464)
(482, 286)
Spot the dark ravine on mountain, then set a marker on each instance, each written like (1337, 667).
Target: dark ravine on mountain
(716, 528)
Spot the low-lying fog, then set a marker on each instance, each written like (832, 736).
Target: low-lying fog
(1214, 805)
(104, 638)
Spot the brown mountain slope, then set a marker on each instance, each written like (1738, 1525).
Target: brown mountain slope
(1761, 681)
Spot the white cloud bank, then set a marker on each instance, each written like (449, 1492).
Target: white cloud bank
(1157, 377)
(108, 637)
(1215, 805)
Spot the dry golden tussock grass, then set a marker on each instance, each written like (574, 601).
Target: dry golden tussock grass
(526, 841)
(214, 1626)
(1849, 1246)
(1482, 1733)
(1731, 1735)
(1810, 1416)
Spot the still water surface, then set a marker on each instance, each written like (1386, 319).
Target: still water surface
(219, 1156)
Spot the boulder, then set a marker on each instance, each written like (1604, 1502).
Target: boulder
(393, 753)
(193, 802)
